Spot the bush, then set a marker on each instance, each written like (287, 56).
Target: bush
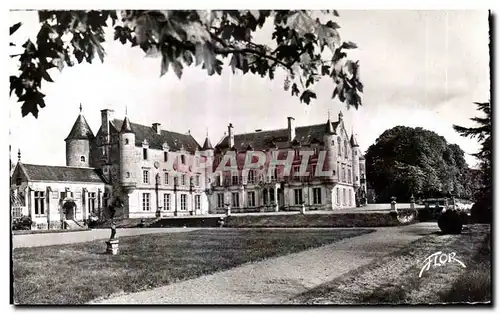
(22, 223)
(481, 211)
(450, 222)
(425, 214)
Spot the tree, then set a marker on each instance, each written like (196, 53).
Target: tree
(405, 161)
(483, 208)
(193, 38)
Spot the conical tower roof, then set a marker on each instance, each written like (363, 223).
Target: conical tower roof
(329, 127)
(207, 144)
(354, 142)
(81, 129)
(126, 126)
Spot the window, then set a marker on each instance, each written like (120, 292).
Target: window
(165, 156)
(145, 176)
(344, 179)
(165, 178)
(166, 201)
(183, 159)
(128, 174)
(317, 196)
(197, 202)
(357, 178)
(91, 202)
(218, 180)
(16, 212)
(274, 174)
(338, 196)
(350, 197)
(296, 171)
(197, 180)
(220, 200)
(183, 179)
(344, 198)
(251, 176)
(126, 141)
(235, 179)
(271, 195)
(105, 197)
(264, 195)
(235, 200)
(251, 199)
(145, 153)
(298, 196)
(313, 171)
(82, 159)
(146, 202)
(183, 202)
(345, 149)
(340, 146)
(39, 203)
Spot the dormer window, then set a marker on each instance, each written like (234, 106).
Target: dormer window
(183, 159)
(145, 153)
(165, 156)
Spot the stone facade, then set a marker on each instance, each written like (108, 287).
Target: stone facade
(150, 172)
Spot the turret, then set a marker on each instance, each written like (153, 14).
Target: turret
(78, 143)
(355, 161)
(208, 154)
(127, 154)
(329, 140)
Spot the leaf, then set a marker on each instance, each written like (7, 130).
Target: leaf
(295, 90)
(45, 75)
(164, 63)
(188, 57)
(15, 27)
(301, 22)
(327, 36)
(307, 95)
(177, 66)
(349, 45)
(234, 62)
(255, 14)
(335, 12)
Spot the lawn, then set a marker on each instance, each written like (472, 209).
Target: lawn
(79, 273)
(394, 279)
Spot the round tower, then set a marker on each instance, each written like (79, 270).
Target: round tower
(78, 143)
(329, 140)
(127, 154)
(355, 162)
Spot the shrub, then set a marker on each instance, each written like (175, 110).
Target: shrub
(22, 223)
(425, 214)
(481, 211)
(450, 222)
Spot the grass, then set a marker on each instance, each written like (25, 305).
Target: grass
(394, 279)
(474, 285)
(79, 273)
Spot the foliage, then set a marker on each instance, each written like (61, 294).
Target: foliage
(450, 222)
(405, 161)
(22, 223)
(194, 38)
(482, 209)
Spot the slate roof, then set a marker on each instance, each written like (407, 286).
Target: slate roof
(354, 142)
(304, 135)
(126, 127)
(81, 130)
(60, 173)
(174, 140)
(207, 144)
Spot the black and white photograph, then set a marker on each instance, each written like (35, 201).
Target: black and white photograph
(290, 157)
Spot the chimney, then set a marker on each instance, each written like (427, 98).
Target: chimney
(230, 134)
(291, 129)
(157, 128)
(106, 117)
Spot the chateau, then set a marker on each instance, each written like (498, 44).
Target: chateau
(152, 172)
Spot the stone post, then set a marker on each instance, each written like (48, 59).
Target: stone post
(303, 209)
(412, 202)
(276, 203)
(393, 204)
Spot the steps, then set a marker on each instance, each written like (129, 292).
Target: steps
(73, 225)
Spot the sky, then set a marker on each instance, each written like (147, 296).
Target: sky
(419, 68)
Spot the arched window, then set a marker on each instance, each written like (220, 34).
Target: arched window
(82, 159)
(345, 148)
(126, 141)
(340, 146)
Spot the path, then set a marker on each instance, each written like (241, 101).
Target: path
(275, 280)
(45, 239)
